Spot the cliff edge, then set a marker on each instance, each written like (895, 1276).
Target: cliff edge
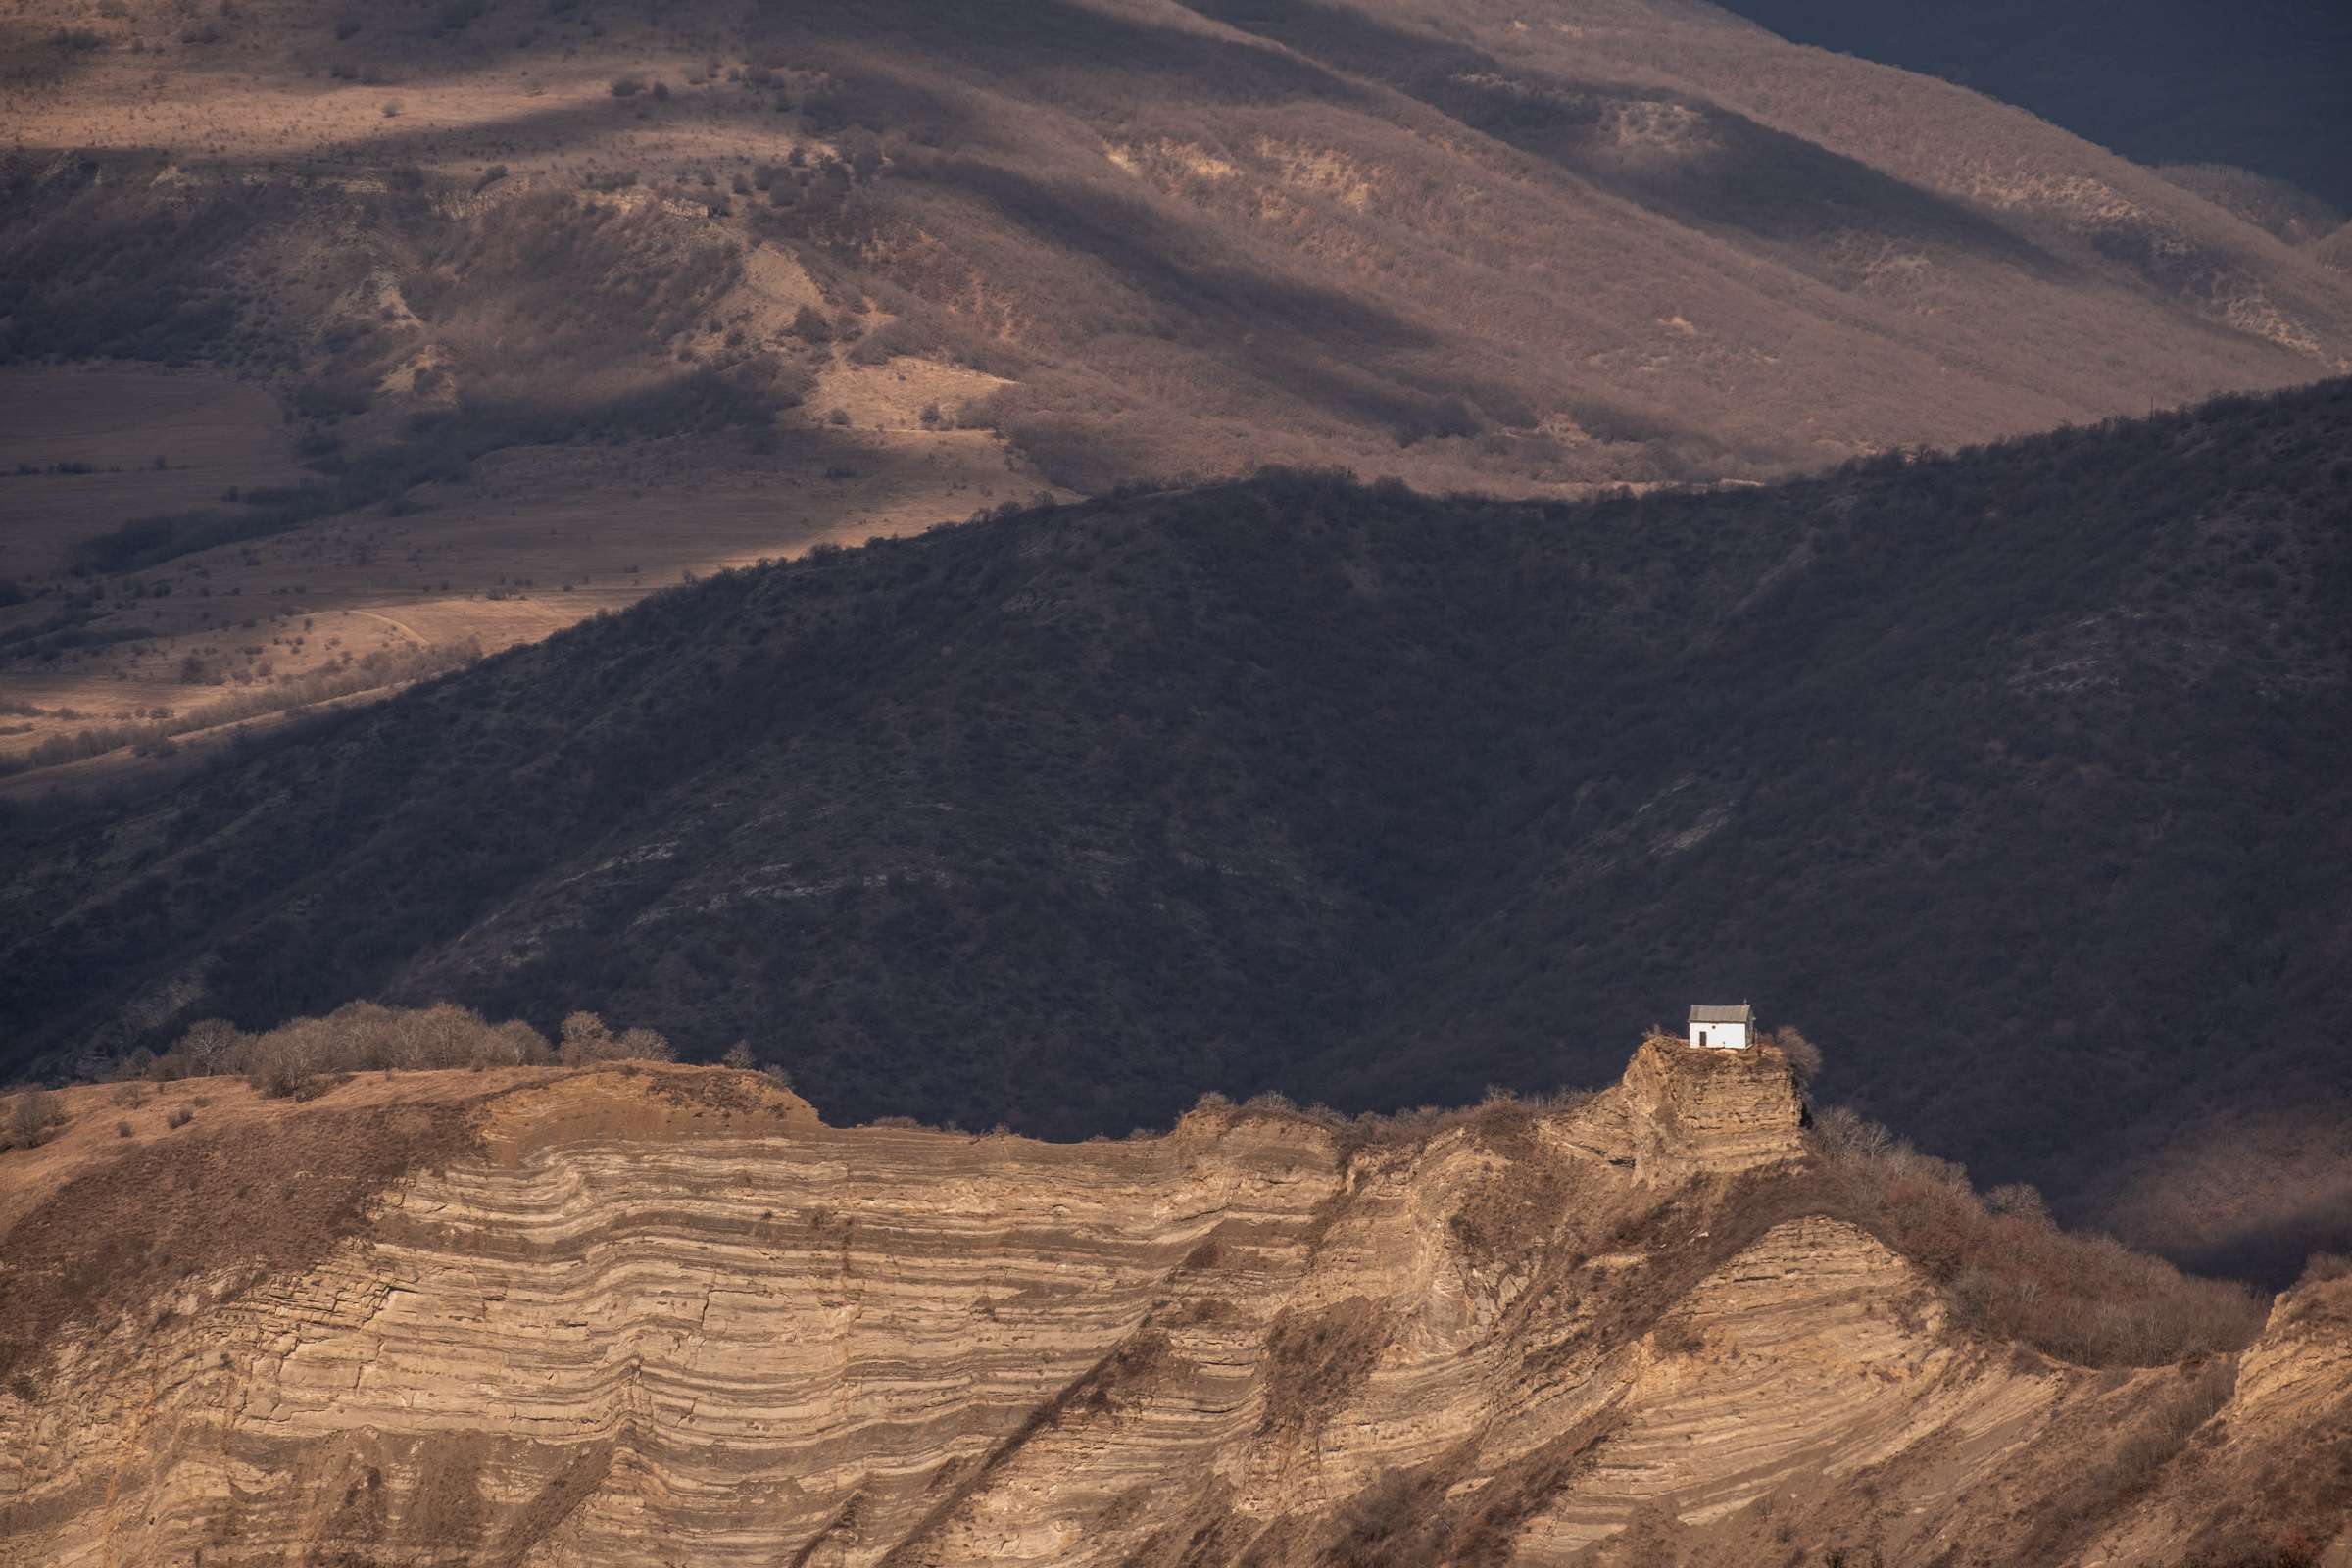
(639, 1315)
(1687, 1110)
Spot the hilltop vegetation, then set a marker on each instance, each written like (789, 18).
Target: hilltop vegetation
(2016, 775)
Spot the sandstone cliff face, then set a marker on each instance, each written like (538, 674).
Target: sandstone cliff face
(636, 1320)
(2279, 1450)
(1719, 1111)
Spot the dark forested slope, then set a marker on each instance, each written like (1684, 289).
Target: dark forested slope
(2019, 779)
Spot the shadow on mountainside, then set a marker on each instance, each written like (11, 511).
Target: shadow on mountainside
(1703, 164)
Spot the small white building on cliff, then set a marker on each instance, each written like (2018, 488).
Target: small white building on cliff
(1723, 1028)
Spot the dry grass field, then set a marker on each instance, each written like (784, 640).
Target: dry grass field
(492, 315)
(534, 541)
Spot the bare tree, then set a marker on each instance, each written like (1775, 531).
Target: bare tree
(30, 1116)
(1802, 1053)
(644, 1045)
(585, 1040)
(207, 1044)
(2019, 1200)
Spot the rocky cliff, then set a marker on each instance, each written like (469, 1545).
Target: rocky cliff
(666, 1316)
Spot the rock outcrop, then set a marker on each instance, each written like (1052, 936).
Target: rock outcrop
(667, 1316)
(1687, 1112)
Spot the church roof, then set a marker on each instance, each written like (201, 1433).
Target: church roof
(1743, 1013)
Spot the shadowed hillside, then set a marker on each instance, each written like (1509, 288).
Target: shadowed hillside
(2017, 777)
(1636, 242)
(2257, 84)
(481, 280)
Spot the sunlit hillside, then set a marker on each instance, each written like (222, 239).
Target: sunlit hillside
(506, 312)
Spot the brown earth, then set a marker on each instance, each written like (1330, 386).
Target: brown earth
(538, 540)
(650, 1314)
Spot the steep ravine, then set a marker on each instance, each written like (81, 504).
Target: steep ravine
(654, 1316)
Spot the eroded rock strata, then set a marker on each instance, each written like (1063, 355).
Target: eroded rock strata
(632, 1320)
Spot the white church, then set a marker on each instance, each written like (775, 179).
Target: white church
(1723, 1028)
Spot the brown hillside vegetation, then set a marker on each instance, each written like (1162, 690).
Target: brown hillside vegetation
(619, 1312)
(563, 304)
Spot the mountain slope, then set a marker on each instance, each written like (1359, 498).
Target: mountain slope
(1620, 241)
(2015, 776)
(488, 274)
(640, 1314)
(2159, 81)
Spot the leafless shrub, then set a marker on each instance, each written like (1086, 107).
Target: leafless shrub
(276, 1064)
(30, 1118)
(208, 1044)
(1679, 1336)
(2019, 1200)
(587, 1039)
(1316, 1361)
(2146, 1441)
(366, 1037)
(584, 1039)
(178, 1116)
(644, 1045)
(2014, 1275)
(1802, 1053)
(2323, 1266)
(1840, 1133)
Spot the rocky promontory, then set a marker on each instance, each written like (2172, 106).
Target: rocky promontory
(638, 1314)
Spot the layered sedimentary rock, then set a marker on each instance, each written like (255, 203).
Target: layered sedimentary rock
(667, 1316)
